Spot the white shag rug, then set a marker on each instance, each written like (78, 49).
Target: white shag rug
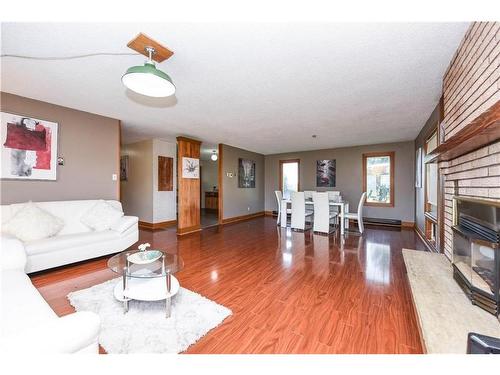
(144, 328)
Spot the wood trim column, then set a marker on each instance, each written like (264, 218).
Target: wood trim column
(119, 187)
(221, 182)
(188, 206)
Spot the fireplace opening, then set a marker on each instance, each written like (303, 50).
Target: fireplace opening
(476, 253)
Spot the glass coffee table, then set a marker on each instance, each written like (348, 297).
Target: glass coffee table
(152, 281)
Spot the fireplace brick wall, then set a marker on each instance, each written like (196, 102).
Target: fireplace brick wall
(471, 85)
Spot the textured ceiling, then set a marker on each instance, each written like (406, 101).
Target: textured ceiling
(263, 87)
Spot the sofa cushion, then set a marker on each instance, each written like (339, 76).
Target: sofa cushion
(69, 241)
(68, 211)
(101, 216)
(12, 254)
(125, 223)
(22, 304)
(32, 223)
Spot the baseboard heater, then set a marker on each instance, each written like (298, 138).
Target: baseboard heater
(373, 221)
(383, 222)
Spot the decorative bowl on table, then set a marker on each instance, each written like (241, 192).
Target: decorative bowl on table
(144, 257)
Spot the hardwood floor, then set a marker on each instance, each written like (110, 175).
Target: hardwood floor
(290, 292)
(208, 218)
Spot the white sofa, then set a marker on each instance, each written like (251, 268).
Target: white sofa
(76, 241)
(28, 324)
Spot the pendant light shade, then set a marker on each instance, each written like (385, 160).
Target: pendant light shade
(147, 80)
(214, 156)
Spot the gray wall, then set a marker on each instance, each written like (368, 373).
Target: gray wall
(137, 191)
(427, 130)
(90, 146)
(241, 201)
(349, 177)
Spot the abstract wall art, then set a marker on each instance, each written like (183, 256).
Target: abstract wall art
(246, 173)
(418, 168)
(29, 148)
(124, 168)
(325, 173)
(190, 168)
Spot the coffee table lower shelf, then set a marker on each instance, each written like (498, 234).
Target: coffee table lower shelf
(146, 289)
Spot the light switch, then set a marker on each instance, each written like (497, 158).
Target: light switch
(114, 177)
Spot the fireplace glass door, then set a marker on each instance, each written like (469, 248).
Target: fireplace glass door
(483, 268)
(462, 255)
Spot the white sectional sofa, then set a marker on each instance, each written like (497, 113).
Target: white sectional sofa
(75, 241)
(28, 323)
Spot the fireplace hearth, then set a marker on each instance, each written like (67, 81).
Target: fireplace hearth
(476, 250)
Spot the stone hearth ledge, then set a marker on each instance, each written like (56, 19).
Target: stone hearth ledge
(444, 312)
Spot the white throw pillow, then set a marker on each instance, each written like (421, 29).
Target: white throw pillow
(101, 216)
(32, 223)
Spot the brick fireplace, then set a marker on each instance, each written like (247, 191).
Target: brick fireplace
(471, 87)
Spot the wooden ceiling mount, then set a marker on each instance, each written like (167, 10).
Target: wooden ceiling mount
(141, 41)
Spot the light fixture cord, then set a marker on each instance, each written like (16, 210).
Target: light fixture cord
(70, 57)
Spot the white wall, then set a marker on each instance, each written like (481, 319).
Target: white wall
(164, 202)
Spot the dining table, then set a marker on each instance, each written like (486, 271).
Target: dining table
(344, 207)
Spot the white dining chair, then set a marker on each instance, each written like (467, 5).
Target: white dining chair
(279, 198)
(333, 195)
(299, 213)
(308, 194)
(322, 214)
(358, 215)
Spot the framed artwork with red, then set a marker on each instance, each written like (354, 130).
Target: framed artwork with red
(29, 148)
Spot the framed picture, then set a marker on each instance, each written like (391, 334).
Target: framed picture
(418, 168)
(326, 173)
(190, 168)
(29, 148)
(124, 168)
(246, 173)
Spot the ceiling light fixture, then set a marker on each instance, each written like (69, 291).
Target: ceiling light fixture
(147, 80)
(214, 156)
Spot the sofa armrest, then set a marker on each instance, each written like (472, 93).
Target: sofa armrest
(13, 255)
(72, 333)
(125, 223)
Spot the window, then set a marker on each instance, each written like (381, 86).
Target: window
(289, 176)
(431, 143)
(431, 178)
(378, 178)
(431, 192)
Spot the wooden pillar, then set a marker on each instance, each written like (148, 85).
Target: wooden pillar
(188, 201)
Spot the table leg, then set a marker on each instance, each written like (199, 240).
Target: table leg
(168, 303)
(346, 220)
(283, 213)
(125, 281)
(342, 221)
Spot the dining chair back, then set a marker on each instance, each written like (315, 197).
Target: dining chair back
(308, 194)
(322, 214)
(333, 195)
(279, 198)
(358, 215)
(299, 213)
(361, 203)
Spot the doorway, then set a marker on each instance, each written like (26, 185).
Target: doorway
(209, 185)
(289, 176)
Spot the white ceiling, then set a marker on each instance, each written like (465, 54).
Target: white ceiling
(262, 87)
(207, 149)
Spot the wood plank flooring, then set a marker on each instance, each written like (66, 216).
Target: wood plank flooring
(290, 292)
